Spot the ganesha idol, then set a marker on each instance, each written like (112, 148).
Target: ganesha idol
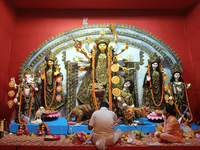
(24, 96)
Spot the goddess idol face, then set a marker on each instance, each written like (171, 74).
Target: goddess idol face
(177, 76)
(102, 47)
(127, 84)
(155, 65)
(50, 63)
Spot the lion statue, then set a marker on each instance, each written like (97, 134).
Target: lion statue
(86, 110)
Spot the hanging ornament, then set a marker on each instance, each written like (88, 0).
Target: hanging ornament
(10, 103)
(58, 98)
(116, 92)
(165, 78)
(115, 79)
(11, 84)
(59, 88)
(11, 93)
(171, 102)
(166, 87)
(115, 68)
(166, 97)
(58, 79)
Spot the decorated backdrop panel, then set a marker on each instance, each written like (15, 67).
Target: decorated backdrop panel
(142, 45)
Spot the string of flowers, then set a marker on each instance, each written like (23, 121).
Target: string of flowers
(54, 91)
(110, 75)
(93, 86)
(20, 103)
(177, 106)
(152, 95)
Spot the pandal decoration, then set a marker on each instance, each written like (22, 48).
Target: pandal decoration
(54, 91)
(166, 87)
(11, 93)
(116, 92)
(152, 95)
(20, 102)
(115, 79)
(11, 84)
(10, 103)
(166, 97)
(177, 106)
(115, 68)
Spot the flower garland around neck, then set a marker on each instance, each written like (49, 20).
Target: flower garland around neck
(177, 106)
(20, 102)
(110, 76)
(93, 82)
(152, 95)
(54, 91)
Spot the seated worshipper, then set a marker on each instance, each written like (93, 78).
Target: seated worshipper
(103, 122)
(171, 132)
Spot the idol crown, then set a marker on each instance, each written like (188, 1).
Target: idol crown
(50, 56)
(102, 38)
(176, 68)
(154, 58)
(28, 70)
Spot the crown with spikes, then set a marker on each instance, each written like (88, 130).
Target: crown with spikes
(50, 56)
(176, 68)
(28, 70)
(154, 58)
(102, 38)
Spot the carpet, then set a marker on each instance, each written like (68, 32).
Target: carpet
(35, 142)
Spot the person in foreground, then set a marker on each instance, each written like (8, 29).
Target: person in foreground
(171, 132)
(103, 122)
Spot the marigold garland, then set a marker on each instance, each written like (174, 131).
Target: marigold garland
(54, 91)
(110, 77)
(93, 85)
(177, 106)
(157, 105)
(20, 102)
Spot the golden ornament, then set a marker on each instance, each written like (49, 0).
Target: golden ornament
(11, 93)
(171, 102)
(166, 87)
(165, 78)
(11, 84)
(166, 97)
(10, 103)
(116, 92)
(115, 68)
(115, 79)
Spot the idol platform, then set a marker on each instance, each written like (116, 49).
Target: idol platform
(60, 126)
